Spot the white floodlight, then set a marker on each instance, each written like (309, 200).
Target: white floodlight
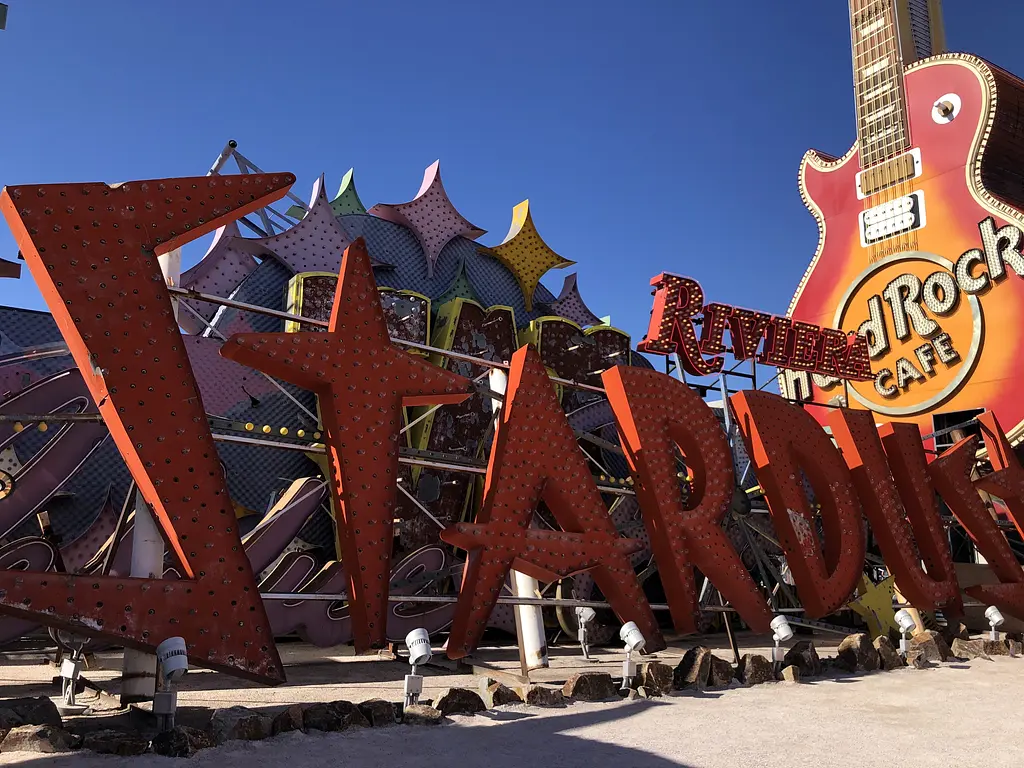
(995, 618)
(418, 643)
(782, 632)
(584, 615)
(907, 625)
(172, 659)
(634, 640)
(71, 670)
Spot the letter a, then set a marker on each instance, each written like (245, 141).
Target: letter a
(535, 458)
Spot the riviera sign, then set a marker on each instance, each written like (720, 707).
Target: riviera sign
(679, 301)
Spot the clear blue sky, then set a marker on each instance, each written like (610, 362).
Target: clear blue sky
(650, 135)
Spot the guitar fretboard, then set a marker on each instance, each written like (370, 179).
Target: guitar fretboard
(882, 126)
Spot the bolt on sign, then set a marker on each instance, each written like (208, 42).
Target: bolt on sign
(679, 308)
(93, 249)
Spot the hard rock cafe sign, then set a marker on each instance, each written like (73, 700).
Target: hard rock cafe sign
(925, 324)
(93, 250)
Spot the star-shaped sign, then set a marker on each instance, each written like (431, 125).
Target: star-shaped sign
(430, 216)
(362, 382)
(525, 254)
(535, 458)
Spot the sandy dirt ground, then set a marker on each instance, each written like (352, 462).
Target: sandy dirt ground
(969, 714)
(966, 715)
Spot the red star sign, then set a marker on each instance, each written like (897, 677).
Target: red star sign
(362, 382)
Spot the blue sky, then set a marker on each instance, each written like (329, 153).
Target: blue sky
(659, 135)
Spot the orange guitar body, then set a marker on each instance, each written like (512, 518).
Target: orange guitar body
(972, 168)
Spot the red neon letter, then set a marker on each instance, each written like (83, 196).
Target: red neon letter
(782, 440)
(92, 249)
(535, 458)
(655, 414)
(951, 476)
(889, 505)
(676, 300)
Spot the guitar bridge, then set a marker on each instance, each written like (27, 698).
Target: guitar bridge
(904, 214)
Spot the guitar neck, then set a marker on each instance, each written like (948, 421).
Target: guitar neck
(882, 126)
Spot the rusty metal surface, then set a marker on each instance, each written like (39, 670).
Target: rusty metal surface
(891, 476)
(92, 249)
(785, 443)
(534, 458)
(363, 383)
(655, 415)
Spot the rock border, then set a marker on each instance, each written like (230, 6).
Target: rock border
(35, 725)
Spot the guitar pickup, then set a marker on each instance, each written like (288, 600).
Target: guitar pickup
(893, 171)
(896, 217)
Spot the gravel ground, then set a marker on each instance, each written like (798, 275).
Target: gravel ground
(966, 715)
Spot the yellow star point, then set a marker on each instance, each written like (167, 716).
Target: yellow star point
(525, 254)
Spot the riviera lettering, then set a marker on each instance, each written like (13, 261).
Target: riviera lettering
(678, 301)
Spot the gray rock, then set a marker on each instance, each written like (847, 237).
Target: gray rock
(499, 695)
(995, 648)
(1015, 647)
(37, 710)
(287, 720)
(656, 677)
(9, 719)
(333, 716)
(181, 741)
(379, 713)
(857, 654)
(539, 696)
(40, 739)
(969, 649)
(642, 693)
(924, 646)
(945, 653)
(590, 686)
(721, 674)
(418, 714)
(693, 670)
(633, 695)
(888, 657)
(755, 669)
(239, 724)
(955, 631)
(114, 742)
(459, 701)
(44, 739)
(919, 662)
(791, 674)
(804, 657)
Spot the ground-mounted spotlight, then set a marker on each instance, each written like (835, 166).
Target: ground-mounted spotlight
(418, 643)
(172, 663)
(70, 671)
(634, 641)
(995, 618)
(782, 632)
(583, 618)
(907, 625)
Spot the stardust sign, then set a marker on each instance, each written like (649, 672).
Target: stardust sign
(93, 248)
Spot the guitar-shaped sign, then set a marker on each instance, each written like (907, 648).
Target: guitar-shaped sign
(921, 227)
